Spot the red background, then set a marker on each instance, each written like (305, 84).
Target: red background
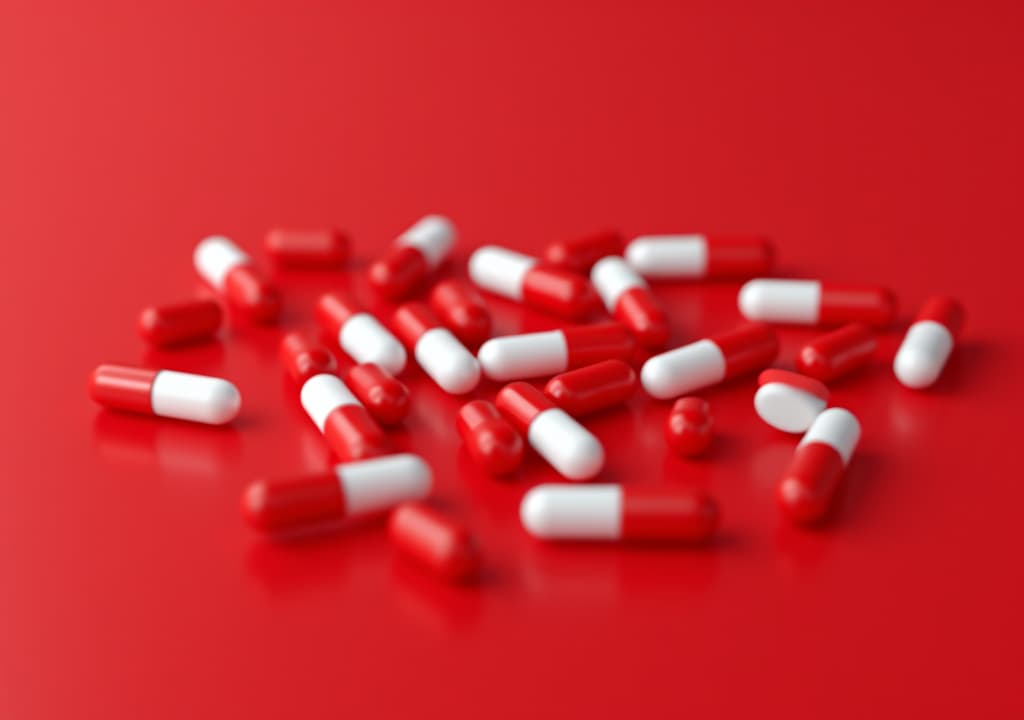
(879, 142)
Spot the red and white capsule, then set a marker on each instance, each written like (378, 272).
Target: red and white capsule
(811, 302)
(303, 357)
(521, 278)
(359, 333)
(229, 271)
(579, 254)
(710, 361)
(567, 446)
(302, 249)
(673, 257)
(438, 352)
(592, 388)
(689, 427)
(165, 393)
(837, 353)
(435, 541)
(192, 321)
(809, 485)
(541, 354)
(348, 490)
(789, 401)
(928, 343)
(489, 437)
(618, 513)
(463, 311)
(384, 395)
(417, 253)
(629, 300)
(347, 426)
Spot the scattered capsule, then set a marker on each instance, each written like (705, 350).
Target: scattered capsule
(348, 490)
(359, 333)
(629, 300)
(416, 253)
(710, 361)
(438, 352)
(347, 426)
(837, 353)
(810, 302)
(579, 254)
(594, 387)
(567, 446)
(462, 310)
(618, 513)
(688, 428)
(519, 277)
(165, 393)
(385, 396)
(672, 257)
(186, 322)
(929, 342)
(541, 354)
(435, 541)
(489, 437)
(303, 357)
(229, 271)
(809, 485)
(307, 249)
(789, 401)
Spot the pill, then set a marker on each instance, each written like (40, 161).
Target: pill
(307, 248)
(490, 439)
(837, 353)
(438, 352)
(542, 354)
(519, 277)
(303, 357)
(707, 362)
(618, 513)
(346, 425)
(809, 484)
(688, 427)
(435, 541)
(929, 342)
(789, 401)
(348, 490)
(810, 302)
(567, 446)
(165, 393)
(629, 300)
(592, 388)
(229, 271)
(463, 311)
(359, 333)
(179, 323)
(665, 257)
(416, 253)
(385, 396)
(579, 254)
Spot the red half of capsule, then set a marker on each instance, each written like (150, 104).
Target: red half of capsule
(945, 311)
(837, 353)
(186, 322)
(302, 249)
(123, 388)
(579, 254)
(668, 514)
(592, 388)
(352, 434)
(489, 437)
(384, 395)
(797, 381)
(588, 344)
(398, 273)
(282, 503)
(521, 402)
(561, 292)
(747, 348)
(411, 320)
(807, 489)
(332, 312)
(688, 428)
(303, 358)
(638, 310)
(435, 541)
(856, 303)
(739, 257)
(462, 309)
(252, 295)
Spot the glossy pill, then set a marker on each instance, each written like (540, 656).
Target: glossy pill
(165, 393)
(674, 257)
(346, 425)
(837, 353)
(928, 343)
(628, 299)
(417, 253)
(810, 302)
(809, 485)
(789, 401)
(313, 249)
(229, 271)
(385, 396)
(578, 255)
(463, 311)
(688, 427)
(303, 357)
(434, 541)
(541, 354)
(438, 352)
(359, 333)
(594, 387)
(490, 439)
(180, 323)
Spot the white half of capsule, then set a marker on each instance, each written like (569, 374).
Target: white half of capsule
(837, 428)
(322, 394)
(796, 302)
(612, 277)
(198, 398)
(787, 408)
(433, 236)
(216, 256)
(573, 512)
(365, 340)
(923, 354)
(518, 357)
(683, 370)
(447, 361)
(567, 446)
(500, 270)
(378, 484)
(669, 256)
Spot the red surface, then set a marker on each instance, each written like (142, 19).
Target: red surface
(873, 141)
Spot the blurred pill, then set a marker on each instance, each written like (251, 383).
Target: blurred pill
(386, 397)
(417, 253)
(435, 541)
(491, 440)
(689, 426)
(789, 401)
(314, 249)
(229, 271)
(191, 321)
(594, 387)
(463, 311)
(837, 353)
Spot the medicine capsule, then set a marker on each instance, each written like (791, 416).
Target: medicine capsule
(618, 513)
(165, 393)
(349, 429)
(386, 397)
(186, 322)
(462, 310)
(929, 342)
(567, 446)
(435, 541)
(489, 437)
(709, 361)
(541, 354)
(837, 353)
(348, 490)
(230, 272)
(592, 388)
(789, 401)
(416, 253)
(438, 352)
(809, 485)
(313, 249)
(579, 254)
(303, 357)
(359, 333)
(519, 277)
(688, 427)
(666, 257)
(810, 302)
(629, 300)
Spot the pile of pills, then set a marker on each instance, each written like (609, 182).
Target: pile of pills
(584, 367)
